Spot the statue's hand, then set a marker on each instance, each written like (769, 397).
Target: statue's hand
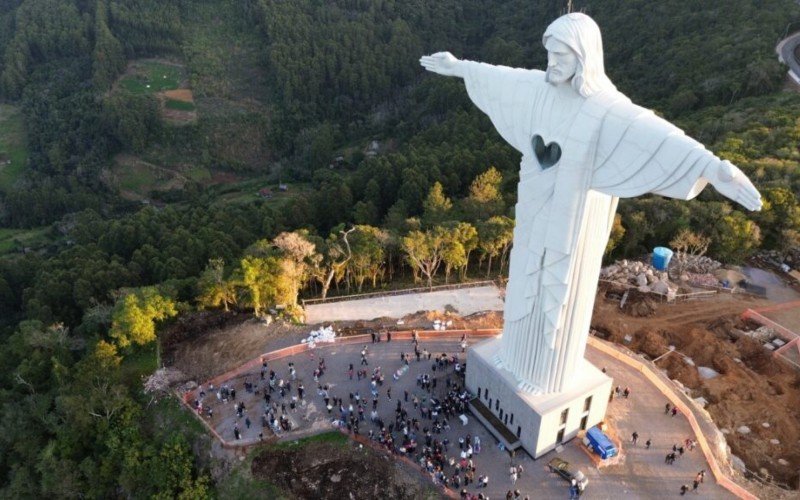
(443, 63)
(732, 183)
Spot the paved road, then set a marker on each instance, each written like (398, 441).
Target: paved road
(786, 52)
(465, 300)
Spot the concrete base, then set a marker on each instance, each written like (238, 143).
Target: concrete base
(539, 420)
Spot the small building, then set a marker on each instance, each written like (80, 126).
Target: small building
(265, 193)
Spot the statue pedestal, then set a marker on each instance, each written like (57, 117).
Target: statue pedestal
(538, 421)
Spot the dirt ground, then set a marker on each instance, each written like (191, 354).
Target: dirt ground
(753, 388)
(328, 470)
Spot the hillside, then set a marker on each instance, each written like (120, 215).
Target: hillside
(158, 157)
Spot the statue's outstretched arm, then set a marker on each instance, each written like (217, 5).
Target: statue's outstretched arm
(443, 63)
(732, 183)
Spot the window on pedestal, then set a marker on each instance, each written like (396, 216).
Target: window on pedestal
(497, 405)
(490, 404)
(560, 436)
(479, 392)
(587, 404)
(501, 414)
(506, 420)
(519, 431)
(512, 419)
(564, 415)
(584, 422)
(486, 393)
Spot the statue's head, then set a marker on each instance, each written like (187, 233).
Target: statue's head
(575, 53)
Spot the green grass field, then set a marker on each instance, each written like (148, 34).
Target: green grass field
(136, 178)
(152, 76)
(13, 154)
(179, 105)
(12, 240)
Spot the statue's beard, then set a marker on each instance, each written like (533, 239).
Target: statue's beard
(549, 79)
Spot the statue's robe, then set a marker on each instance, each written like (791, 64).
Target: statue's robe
(610, 148)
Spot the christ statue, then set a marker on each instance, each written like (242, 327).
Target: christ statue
(584, 145)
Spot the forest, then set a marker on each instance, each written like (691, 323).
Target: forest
(310, 86)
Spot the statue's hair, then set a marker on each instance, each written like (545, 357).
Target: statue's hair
(581, 34)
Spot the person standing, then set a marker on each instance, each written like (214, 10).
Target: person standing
(647, 444)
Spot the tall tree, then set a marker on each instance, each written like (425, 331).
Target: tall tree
(261, 279)
(437, 206)
(485, 198)
(331, 263)
(367, 246)
(424, 250)
(298, 253)
(136, 313)
(215, 289)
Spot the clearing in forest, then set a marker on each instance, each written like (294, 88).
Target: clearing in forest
(167, 82)
(13, 154)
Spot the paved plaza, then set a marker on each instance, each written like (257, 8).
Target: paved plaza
(465, 301)
(641, 474)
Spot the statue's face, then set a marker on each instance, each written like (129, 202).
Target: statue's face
(562, 63)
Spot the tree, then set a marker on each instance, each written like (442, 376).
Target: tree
(737, 237)
(617, 233)
(485, 199)
(260, 277)
(495, 238)
(367, 246)
(466, 234)
(436, 207)
(215, 290)
(790, 241)
(332, 261)
(454, 254)
(135, 315)
(424, 250)
(689, 246)
(298, 252)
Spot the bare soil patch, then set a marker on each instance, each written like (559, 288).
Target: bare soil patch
(335, 471)
(183, 95)
(753, 387)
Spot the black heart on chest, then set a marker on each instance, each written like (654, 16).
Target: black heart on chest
(547, 155)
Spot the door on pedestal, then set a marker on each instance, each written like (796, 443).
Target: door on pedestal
(560, 436)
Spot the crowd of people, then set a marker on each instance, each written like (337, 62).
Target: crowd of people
(415, 422)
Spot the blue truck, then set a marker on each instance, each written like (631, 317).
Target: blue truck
(599, 443)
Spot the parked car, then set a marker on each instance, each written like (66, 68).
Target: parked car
(562, 468)
(599, 443)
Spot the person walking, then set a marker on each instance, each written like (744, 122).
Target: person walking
(695, 486)
(634, 437)
(647, 444)
(684, 489)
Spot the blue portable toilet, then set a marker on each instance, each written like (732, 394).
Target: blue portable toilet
(661, 258)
